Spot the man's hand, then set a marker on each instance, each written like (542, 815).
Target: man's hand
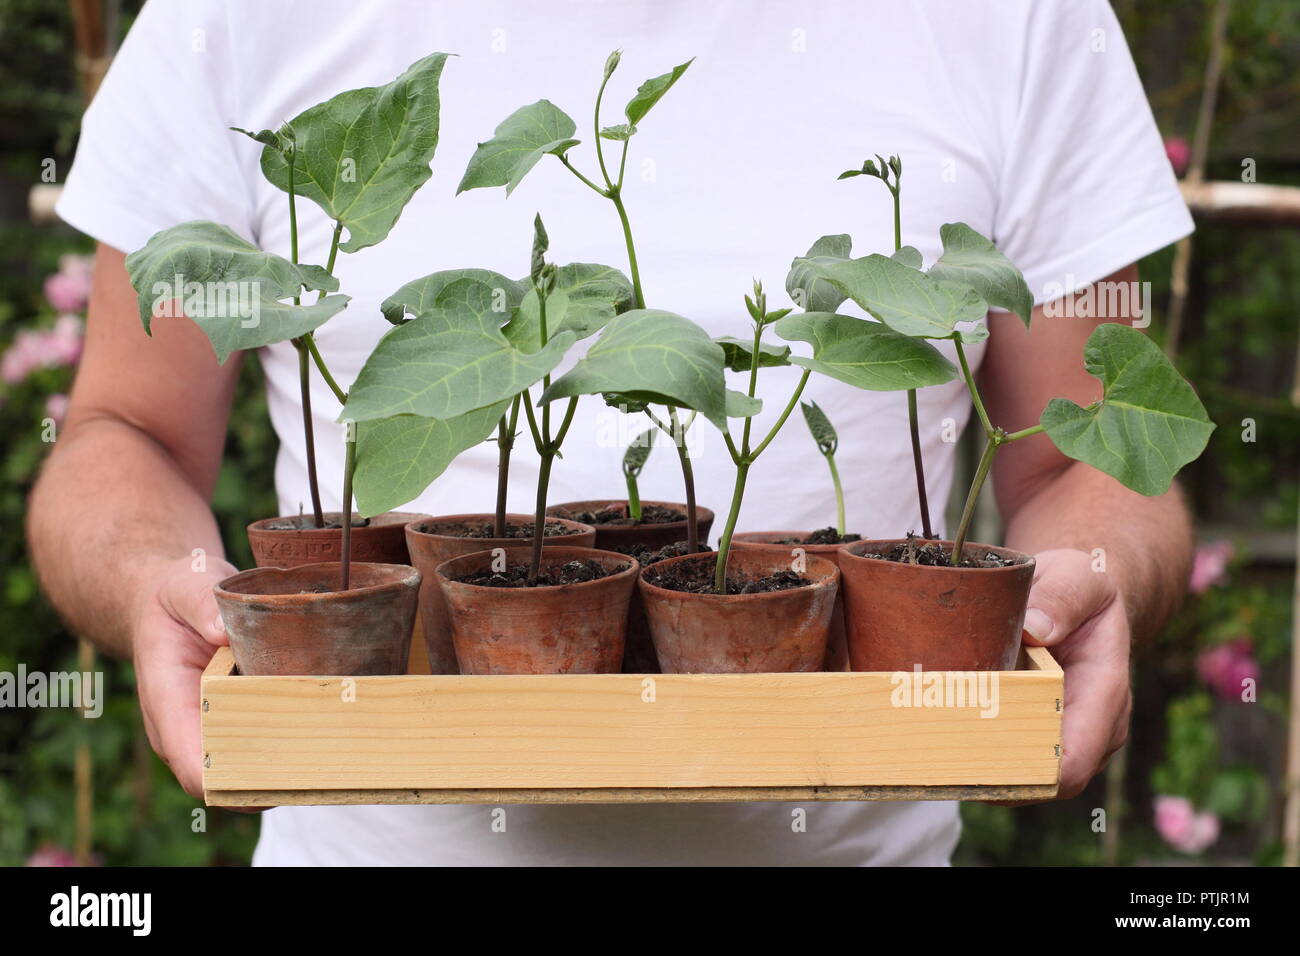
(1080, 615)
(177, 631)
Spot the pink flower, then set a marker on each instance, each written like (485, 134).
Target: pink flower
(36, 349)
(1209, 566)
(1179, 153)
(50, 855)
(56, 407)
(65, 339)
(1182, 827)
(1227, 667)
(68, 290)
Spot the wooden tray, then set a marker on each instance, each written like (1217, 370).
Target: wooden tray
(620, 738)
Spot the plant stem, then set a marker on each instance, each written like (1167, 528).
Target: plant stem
(839, 495)
(914, 426)
(310, 341)
(349, 466)
(977, 484)
(334, 249)
(539, 521)
(505, 444)
(1024, 433)
(724, 545)
(970, 387)
(304, 385)
(794, 400)
(688, 479)
(571, 168)
(638, 298)
(633, 499)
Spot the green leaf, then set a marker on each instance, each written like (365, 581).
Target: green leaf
(280, 140)
(634, 458)
(421, 294)
(740, 405)
(850, 173)
(823, 432)
(654, 356)
(227, 285)
(971, 260)
(906, 300)
(619, 133)
(865, 354)
(362, 154)
(586, 296)
(1149, 422)
(541, 243)
(805, 284)
(398, 457)
(650, 92)
(449, 360)
(909, 256)
(738, 353)
(523, 138)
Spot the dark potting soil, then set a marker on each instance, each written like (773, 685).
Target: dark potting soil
(486, 529)
(308, 523)
(516, 576)
(616, 514)
(696, 577)
(647, 557)
(933, 554)
(822, 536)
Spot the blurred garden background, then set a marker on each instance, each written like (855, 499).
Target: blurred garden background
(1202, 779)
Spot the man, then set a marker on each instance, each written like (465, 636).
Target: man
(1024, 119)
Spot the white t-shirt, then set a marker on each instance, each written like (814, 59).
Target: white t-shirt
(1024, 118)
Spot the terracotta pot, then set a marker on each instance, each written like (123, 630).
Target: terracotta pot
(430, 547)
(900, 615)
(382, 541)
(742, 633)
(837, 649)
(292, 621)
(564, 629)
(652, 536)
(639, 652)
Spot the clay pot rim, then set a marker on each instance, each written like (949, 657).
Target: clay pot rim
(403, 577)
(825, 580)
(551, 555)
(512, 517)
(746, 537)
(386, 520)
(701, 513)
(1027, 562)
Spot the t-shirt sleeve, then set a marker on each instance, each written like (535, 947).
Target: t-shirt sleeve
(1086, 187)
(154, 148)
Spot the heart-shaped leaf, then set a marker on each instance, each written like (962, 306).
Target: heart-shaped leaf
(654, 356)
(865, 354)
(227, 285)
(586, 296)
(523, 138)
(905, 299)
(805, 284)
(362, 154)
(421, 294)
(739, 353)
(449, 360)
(971, 260)
(398, 457)
(650, 92)
(1149, 422)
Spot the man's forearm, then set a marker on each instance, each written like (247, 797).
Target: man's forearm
(1147, 542)
(109, 509)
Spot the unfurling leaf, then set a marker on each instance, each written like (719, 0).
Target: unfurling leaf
(362, 154)
(1149, 422)
(449, 360)
(739, 353)
(650, 92)
(584, 298)
(523, 138)
(823, 432)
(865, 354)
(634, 458)
(619, 133)
(398, 457)
(652, 356)
(805, 284)
(541, 242)
(971, 260)
(229, 287)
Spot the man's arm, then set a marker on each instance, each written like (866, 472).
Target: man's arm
(1062, 510)
(122, 503)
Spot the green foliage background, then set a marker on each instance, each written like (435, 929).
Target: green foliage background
(1239, 347)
